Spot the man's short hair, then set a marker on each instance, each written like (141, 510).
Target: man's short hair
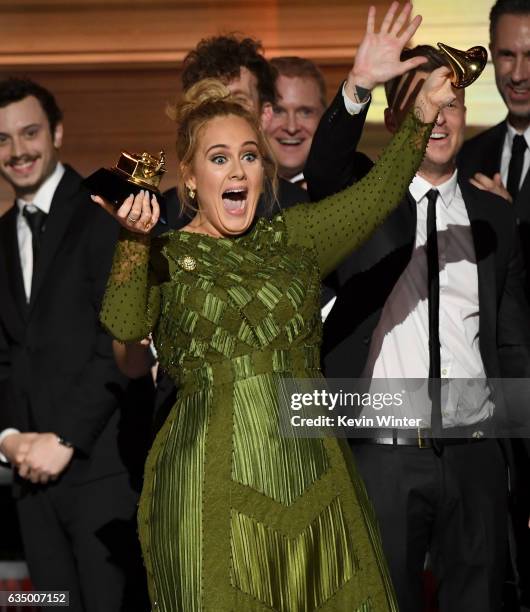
(292, 66)
(506, 7)
(222, 57)
(435, 59)
(15, 89)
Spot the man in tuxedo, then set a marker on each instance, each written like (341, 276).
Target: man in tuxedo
(451, 243)
(498, 160)
(71, 427)
(301, 101)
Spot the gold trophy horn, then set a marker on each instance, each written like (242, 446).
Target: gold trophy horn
(466, 65)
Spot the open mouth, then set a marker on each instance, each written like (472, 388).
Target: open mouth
(234, 201)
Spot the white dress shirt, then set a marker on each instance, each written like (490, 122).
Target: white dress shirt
(507, 154)
(43, 201)
(400, 343)
(354, 108)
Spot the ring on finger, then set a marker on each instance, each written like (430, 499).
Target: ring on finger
(133, 219)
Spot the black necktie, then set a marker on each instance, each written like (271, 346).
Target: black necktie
(516, 165)
(35, 220)
(433, 280)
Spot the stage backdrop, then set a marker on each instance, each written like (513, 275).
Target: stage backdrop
(114, 64)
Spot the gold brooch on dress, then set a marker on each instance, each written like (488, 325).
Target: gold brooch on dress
(187, 262)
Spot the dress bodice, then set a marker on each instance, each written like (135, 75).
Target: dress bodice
(235, 299)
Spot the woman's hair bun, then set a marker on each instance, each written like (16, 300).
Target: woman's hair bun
(203, 92)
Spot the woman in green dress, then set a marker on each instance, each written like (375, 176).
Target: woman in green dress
(233, 516)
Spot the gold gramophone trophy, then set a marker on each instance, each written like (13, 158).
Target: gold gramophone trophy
(131, 174)
(466, 65)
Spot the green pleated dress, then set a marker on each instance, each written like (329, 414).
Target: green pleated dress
(233, 516)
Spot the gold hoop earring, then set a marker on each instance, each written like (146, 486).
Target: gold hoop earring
(191, 193)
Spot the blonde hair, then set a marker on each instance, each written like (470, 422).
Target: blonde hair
(201, 103)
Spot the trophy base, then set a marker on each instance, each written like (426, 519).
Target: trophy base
(115, 187)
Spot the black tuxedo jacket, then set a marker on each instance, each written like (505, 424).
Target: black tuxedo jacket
(365, 281)
(57, 369)
(334, 162)
(504, 315)
(483, 154)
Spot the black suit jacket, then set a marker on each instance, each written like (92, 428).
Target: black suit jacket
(366, 280)
(56, 363)
(483, 154)
(334, 162)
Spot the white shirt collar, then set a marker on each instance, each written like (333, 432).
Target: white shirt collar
(512, 132)
(44, 196)
(420, 187)
(297, 178)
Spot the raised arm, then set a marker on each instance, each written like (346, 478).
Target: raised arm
(336, 226)
(334, 163)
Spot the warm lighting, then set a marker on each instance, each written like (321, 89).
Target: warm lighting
(446, 21)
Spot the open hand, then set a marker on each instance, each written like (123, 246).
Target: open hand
(493, 185)
(377, 59)
(138, 213)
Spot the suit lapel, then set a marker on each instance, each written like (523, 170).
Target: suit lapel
(402, 229)
(14, 304)
(484, 241)
(397, 233)
(61, 212)
(492, 164)
(522, 202)
(492, 160)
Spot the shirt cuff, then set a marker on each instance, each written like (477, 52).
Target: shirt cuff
(353, 108)
(154, 353)
(3, 436)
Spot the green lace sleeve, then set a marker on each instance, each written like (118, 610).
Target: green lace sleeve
(131, 303)
(337, 225)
